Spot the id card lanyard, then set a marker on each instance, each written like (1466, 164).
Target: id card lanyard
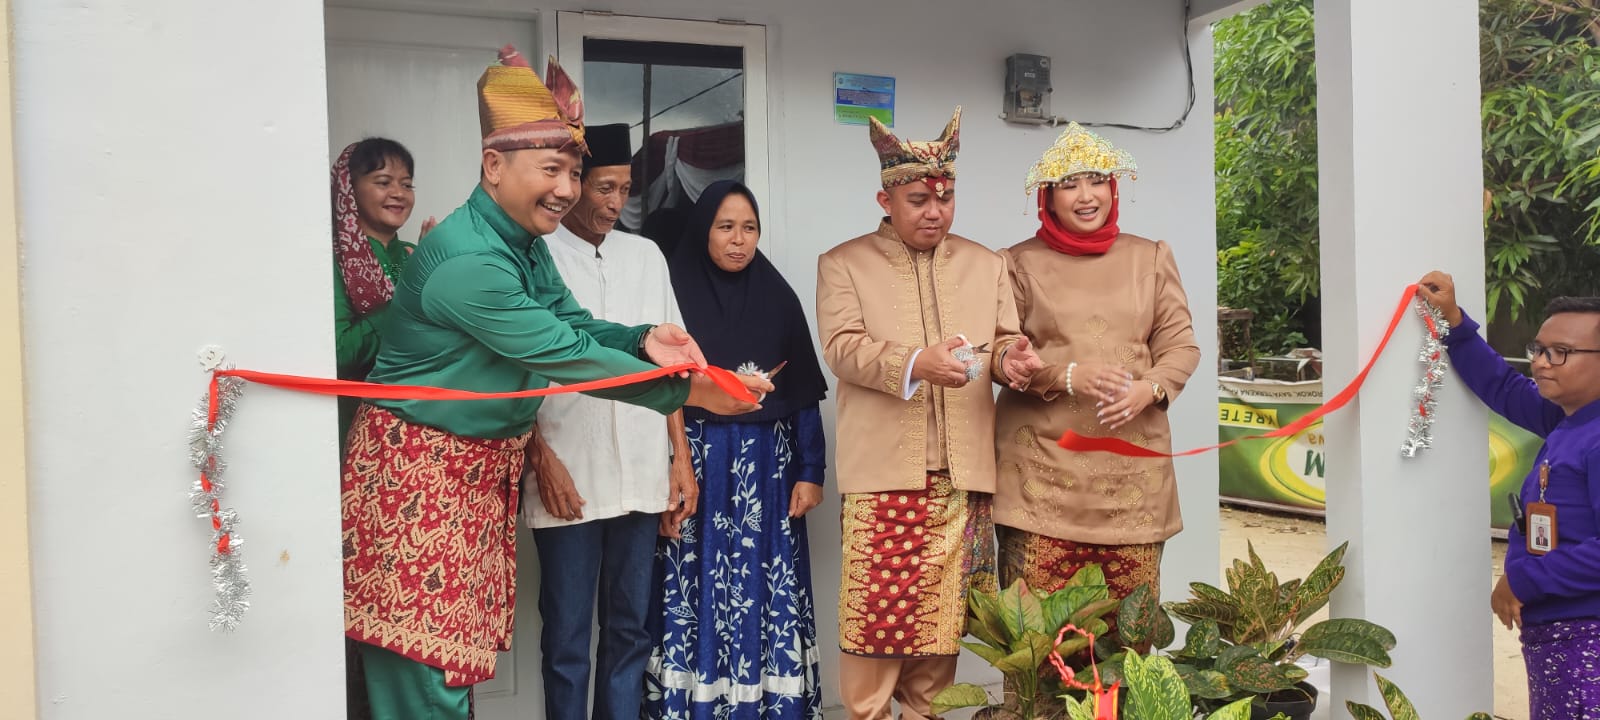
(1541, 535)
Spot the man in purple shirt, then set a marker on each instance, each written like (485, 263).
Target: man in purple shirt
(1553, 596)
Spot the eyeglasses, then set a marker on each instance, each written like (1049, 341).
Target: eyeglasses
(1553, 355)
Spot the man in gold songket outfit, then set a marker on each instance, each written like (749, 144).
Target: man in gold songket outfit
(913, 320)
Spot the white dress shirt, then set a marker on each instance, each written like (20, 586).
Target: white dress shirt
(617, 453)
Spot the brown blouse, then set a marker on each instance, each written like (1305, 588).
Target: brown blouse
(1126, 307)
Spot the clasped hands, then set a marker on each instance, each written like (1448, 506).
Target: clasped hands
(1117, 398)
(937, 364)
(668, 344)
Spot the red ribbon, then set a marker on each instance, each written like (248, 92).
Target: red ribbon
(1073, 441)
(727, 381)
(1105, 698)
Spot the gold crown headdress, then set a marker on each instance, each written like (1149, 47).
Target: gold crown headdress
(517, 111)
(907, 161)
(1079, 151)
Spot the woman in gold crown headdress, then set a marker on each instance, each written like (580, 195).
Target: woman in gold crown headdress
(1110, 319)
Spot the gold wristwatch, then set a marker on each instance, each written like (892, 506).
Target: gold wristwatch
(1157, 392)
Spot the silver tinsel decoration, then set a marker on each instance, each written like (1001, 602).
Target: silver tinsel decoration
(1419, 432)
(205, 497)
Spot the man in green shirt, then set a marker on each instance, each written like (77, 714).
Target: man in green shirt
(430, 487)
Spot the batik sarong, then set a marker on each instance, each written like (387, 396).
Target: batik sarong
(430, 532)
(1047, 563)
(910, 558)
(1563, 659)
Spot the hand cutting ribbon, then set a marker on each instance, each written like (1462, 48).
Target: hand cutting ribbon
(1073, 441)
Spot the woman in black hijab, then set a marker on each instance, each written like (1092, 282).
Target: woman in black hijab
(736, 632)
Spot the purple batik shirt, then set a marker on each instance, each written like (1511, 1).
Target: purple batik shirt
(1565, 583)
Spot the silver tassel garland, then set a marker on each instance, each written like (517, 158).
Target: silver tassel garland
(1419, 431)
(205, 497)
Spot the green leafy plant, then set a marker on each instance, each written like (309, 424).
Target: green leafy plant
(1399, 707)
(1015, 631)
(1243, 642)
(1154, 692)
(1141, 623)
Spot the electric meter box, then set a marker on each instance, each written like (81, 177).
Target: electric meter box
(1027, 89)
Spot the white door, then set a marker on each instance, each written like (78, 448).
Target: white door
(694, 95)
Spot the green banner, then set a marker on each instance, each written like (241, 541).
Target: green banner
(1287, 473)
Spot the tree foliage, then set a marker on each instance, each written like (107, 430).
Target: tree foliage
(1541, 132)
(1266, 139)
(1541, 161)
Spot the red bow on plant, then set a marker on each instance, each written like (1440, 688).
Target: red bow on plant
(1105, 699)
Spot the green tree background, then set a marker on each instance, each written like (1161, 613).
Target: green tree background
(1541, 167)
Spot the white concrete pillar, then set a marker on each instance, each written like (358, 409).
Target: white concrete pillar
(172, 174)
(1194, 554)
(1401, 193)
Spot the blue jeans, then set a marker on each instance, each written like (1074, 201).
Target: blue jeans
(613, 558)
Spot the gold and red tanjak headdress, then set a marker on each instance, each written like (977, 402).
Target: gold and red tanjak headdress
(908, 161)
(516, 111)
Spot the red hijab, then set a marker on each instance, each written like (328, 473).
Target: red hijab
(1059, 238)
(364, 282)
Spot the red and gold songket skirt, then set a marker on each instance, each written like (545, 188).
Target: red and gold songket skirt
(430, 537)
(909, 559)
(1047, 563)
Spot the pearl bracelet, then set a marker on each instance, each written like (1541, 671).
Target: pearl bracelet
(1070, 391)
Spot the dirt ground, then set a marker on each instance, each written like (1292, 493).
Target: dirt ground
(1291, 546)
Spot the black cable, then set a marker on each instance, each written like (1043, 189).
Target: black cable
(725, 81)
(1188, 64)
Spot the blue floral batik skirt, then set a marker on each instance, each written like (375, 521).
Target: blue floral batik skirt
(736, 633)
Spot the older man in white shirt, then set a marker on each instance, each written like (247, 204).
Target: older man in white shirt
(603, 478)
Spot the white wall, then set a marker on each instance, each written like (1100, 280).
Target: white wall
(163, 147)
(173, 193)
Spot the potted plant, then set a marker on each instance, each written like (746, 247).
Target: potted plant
(1154, 691)
(1244, 642)
(1400, 708)
(1141, 625)
(1016, 629)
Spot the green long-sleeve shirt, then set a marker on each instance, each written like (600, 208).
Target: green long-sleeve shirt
(480, 306)
(355, 336)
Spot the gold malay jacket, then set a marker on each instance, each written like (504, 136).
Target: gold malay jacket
(878, 301)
